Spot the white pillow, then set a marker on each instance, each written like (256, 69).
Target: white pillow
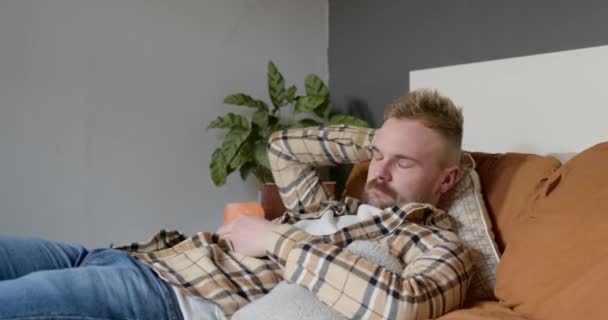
(465, 204)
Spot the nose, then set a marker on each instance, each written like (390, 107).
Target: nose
(382, 170)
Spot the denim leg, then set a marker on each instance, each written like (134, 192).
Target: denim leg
(108, 284)
(21, 256)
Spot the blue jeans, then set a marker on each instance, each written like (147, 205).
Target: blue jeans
(41, 279)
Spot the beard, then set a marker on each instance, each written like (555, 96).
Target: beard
(379, 194)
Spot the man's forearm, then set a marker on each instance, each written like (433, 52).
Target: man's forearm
(294, 154)
(360, 289)
(432, 284)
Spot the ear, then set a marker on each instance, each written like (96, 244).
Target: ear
(449, 179)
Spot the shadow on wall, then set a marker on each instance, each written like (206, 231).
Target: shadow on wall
(359, 108)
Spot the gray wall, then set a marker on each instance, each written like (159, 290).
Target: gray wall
(374, 44)
(103, 106)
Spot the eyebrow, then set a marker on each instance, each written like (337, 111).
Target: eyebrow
(398, 156)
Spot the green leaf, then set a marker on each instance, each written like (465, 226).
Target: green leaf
(230, 120)
(315, 86)
(231, 155)
(273, 125)
(242, 155)
(240, 99)
(246, 169)
(260, 118)
(323, 110)
(308, 103)
(290, 94)
(264, 175)
(308, 123)
(272, 120)
(348, 120)
(276, 86)
(260, 154)
(233, 142)
(218, 168)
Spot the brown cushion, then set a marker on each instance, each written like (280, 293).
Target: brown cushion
(482, 311)
(509, 181)
(556, 265)
(355, 184)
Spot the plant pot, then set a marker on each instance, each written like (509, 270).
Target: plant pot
(273, 204)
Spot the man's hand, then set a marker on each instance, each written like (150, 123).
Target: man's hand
(248, 235)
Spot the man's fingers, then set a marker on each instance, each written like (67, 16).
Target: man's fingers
(225, 229)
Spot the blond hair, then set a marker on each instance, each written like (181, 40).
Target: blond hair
(437, 112)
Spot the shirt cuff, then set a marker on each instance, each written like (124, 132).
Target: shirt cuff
(282, 240)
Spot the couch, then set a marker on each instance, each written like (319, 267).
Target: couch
(550, 222)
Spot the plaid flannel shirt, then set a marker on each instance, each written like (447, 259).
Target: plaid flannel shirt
(436, 271)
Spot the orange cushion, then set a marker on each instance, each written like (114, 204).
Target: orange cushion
(355, 184)
(483, 310)
(234, 210)
(556, 265)
(508, 182)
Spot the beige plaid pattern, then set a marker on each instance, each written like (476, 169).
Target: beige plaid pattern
(437, 266)
(294, 155)
(205, 266)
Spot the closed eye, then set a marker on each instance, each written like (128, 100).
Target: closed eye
(376, 154)
(405, 163)
(399, 160)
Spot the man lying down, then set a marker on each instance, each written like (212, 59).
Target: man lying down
(393, 256)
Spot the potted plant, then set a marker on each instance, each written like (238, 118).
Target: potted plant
(244, 145)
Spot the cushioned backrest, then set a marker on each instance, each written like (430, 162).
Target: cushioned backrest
(556, 265)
